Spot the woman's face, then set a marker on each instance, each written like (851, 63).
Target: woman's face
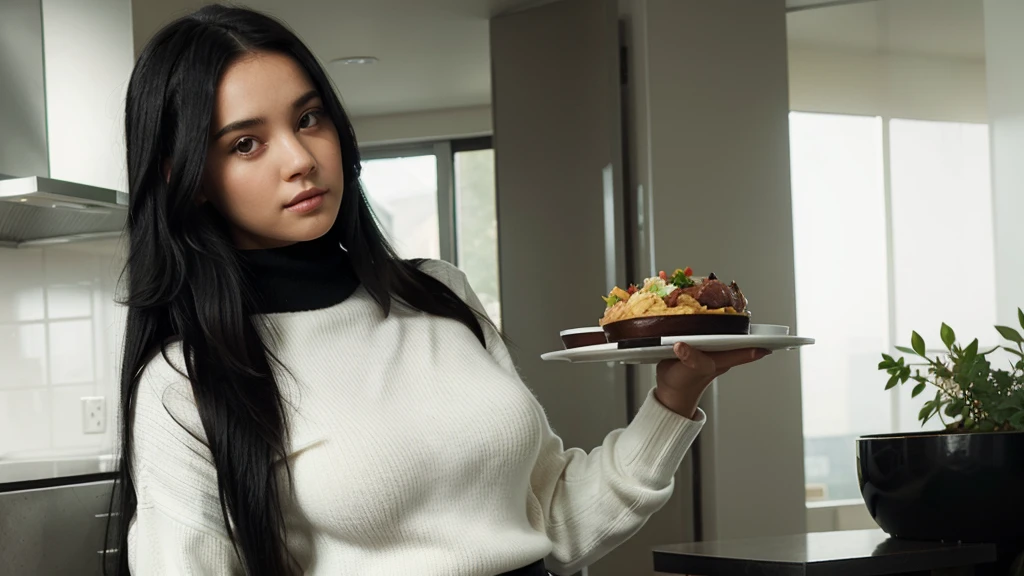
(273, 167)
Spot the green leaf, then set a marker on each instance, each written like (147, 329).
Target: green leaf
(1003, 379)
(905, 350)
(1017, 420)
(925, 412)
(1010, 334)
(1020, 317)
(971, 351)
(1014, 351)
(948, 336)
(893, 382)
(917, 343)
(918, 389)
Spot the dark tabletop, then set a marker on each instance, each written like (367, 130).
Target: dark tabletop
(845, 553)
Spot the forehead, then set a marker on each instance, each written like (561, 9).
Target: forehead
(259, 84)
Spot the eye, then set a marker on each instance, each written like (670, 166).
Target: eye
(310, 119)
(246, 146)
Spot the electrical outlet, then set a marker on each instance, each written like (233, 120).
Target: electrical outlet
(94, 415)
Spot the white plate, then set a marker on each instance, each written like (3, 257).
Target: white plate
(653, 354)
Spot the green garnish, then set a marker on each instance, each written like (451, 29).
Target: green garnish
(681, 280)
(610, 300)
(659, 290)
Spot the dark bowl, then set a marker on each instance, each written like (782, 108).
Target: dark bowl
(582, 337)
(677, 325)
(966, 487)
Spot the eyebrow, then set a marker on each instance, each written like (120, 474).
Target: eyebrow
(250, 122)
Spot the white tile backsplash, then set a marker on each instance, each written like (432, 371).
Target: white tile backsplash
(24, 421)
(68, 264)
(66, 402)
(71, 352)
(21, 285)
(60, 338)
(68, 301)
(22, 355)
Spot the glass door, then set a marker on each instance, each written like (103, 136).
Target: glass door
(437, 200)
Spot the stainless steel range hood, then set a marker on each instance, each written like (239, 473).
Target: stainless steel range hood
(64, 67)
(37, 210)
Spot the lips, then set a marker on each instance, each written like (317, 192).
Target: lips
(305, 195)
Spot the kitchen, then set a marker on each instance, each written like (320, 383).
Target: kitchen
(726, 76)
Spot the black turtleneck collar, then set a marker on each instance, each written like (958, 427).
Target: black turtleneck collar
(303, 276)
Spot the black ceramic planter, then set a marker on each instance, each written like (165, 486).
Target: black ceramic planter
(945, 487)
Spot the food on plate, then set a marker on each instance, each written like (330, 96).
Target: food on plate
(678, 294)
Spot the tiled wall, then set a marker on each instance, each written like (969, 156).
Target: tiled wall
(60, 333)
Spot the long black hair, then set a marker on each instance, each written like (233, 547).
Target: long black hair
(185, 281)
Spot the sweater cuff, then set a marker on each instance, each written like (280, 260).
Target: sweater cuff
(653, 445)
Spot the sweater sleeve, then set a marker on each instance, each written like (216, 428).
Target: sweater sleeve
(178, 527)
(592, 502)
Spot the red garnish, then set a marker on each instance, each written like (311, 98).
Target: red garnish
(632, 289)
(663, 275)
(688, 272)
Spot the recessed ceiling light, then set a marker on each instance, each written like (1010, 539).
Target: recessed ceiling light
(355, 60)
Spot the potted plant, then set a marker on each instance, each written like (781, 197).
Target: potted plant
(966, 482)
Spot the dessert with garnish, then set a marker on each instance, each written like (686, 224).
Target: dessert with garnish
(676, 305)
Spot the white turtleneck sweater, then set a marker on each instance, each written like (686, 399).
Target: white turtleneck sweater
(414, 451)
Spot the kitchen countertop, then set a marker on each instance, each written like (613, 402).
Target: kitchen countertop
(40, 472)
(39, 483)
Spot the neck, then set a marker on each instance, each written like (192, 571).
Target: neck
(303, 276)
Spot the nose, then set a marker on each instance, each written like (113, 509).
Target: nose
(297, 160)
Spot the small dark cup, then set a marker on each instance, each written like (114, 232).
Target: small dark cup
(578, 337)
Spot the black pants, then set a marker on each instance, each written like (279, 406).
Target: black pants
(535, 569)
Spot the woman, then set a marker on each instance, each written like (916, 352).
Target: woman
(301, 401)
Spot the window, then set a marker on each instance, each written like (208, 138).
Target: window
(883, 234)
(402, 192)
(438, 201)
(476, 218)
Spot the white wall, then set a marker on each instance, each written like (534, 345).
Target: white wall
(423, 126)
(893, 85)
(1004, 43)
(60, 333)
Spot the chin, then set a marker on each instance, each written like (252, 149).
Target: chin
(313, 229)
(290, 229)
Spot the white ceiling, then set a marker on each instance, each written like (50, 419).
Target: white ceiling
(434, 54)
(943, 28)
